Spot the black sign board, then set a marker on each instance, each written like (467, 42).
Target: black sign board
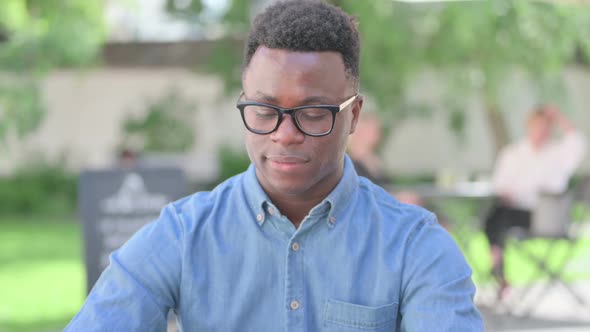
(115, 203)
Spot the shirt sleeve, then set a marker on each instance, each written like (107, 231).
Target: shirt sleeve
(437, 290)
(565, 157)
(572, 149)
(141, 283)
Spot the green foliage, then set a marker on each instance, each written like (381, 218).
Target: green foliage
(232, 162)
(36, 37)
(41, 35)
(185, 9)
(472, 46)
(475, 45)
(21, 107)
(226, 58)
(237, 18)
(166, 127)
(40, 188)
(226, 63)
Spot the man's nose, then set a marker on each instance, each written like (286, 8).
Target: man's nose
(287, 133)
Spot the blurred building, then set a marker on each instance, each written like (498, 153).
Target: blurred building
(142, 62)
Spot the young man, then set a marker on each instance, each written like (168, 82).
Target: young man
(527, 168)
(298, 242)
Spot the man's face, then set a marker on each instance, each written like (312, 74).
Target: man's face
(287, 161)
(539, 131)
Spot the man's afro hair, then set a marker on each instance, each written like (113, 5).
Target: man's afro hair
(306, 26)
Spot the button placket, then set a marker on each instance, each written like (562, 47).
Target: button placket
(294, 286)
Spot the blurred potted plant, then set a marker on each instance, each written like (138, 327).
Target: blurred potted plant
(232, 161)
(164, 133)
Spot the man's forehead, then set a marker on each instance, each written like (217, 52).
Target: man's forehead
(291, 57)
(304, 99)
(294, 67)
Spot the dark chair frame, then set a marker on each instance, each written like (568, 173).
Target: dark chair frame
(552, 221)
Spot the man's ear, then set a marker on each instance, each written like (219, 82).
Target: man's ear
(356, 112)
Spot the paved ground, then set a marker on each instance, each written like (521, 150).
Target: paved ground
(542, 309)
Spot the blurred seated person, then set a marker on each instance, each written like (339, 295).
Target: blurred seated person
(362, 149)
(127, 159)
(524, 169)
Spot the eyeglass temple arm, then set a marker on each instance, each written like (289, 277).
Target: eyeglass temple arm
(348, 102)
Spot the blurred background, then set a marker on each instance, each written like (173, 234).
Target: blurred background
(84, 83)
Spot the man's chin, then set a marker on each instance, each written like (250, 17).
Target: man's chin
(295, 189)
(289, 188)
(284, 183)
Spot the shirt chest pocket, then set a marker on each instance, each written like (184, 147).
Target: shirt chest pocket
(342, 316)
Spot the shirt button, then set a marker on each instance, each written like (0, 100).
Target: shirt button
(259, 217)
(271, 210)
(294, 305)
(332, 220)
(295, 246)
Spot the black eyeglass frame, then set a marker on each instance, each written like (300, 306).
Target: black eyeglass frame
(334, 109)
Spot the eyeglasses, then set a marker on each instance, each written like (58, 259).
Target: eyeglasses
(312, 120)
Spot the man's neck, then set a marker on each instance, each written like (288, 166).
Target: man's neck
(297, 206)
(295, 210)
(536, 146)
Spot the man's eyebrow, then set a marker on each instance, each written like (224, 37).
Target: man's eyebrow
(317, 100)
(264, 97)
(311, 100)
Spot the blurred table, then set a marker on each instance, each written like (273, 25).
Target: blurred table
(461, 190)
(478, 193)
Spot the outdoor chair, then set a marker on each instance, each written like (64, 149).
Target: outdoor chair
(550, 221)
(582, 191)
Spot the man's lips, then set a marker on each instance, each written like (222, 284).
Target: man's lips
(283, 159)
(286, 162)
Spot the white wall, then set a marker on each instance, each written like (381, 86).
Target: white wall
(85, 111)
(425, 144)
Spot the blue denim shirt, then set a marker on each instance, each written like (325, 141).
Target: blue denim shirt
(227, 260)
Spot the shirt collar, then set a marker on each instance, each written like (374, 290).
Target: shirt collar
(335, 203)
(339, 199)
(255, 195)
